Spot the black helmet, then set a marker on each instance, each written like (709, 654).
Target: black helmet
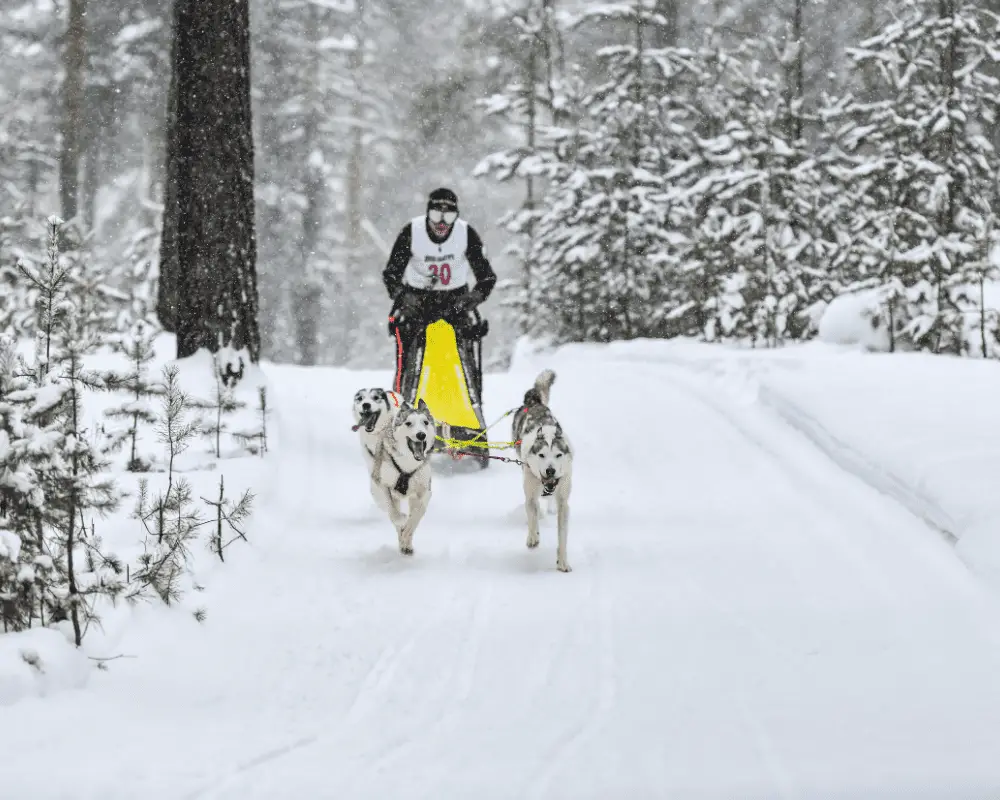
(445, 199)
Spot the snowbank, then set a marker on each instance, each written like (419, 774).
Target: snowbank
(38, 663)
(42, 661)
(861, 319)
(918, 428)
(855, 319)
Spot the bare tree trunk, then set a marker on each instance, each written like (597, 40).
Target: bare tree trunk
(666, 35)
(74, 65)
(307, 289)
(531, 96)
(213, 141)
(355, 185)
(798, 71)
(167, 282)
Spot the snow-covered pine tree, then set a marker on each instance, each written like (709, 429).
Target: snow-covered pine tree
(924, 164)
(24, 566)
(751, 186)
(69, 468)
(600, 237)
(170, 519)
(137, 347)
(534, 103)
(220, 407)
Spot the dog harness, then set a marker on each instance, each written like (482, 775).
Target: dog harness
(403, 481)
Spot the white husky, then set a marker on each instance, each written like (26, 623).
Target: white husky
(547, 462)
(374, 412)
(402, 471)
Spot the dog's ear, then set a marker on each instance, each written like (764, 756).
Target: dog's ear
(422, 406)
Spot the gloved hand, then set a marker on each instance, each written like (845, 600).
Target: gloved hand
(471, 300)
(406, 302)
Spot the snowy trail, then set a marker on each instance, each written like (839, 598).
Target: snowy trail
(744, 620)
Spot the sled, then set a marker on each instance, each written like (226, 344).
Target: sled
(445, 370)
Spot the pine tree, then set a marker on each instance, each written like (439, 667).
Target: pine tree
(138, 348)
(601, 239)
(211, 157)
(63, 472)
(534, 101)
(924, 169)
(24, 566)
(220, 407)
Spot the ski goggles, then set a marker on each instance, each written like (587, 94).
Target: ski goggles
(438, 214)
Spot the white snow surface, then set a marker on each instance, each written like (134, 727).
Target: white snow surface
(747, 616)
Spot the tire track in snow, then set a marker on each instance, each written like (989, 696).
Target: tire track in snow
(767, 749)
(467, 663)
(607, 690)
(372, 685)
(786, 465)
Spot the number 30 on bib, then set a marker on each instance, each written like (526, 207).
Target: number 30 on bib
(441, 272)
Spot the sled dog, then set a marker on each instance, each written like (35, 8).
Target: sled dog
(374, 412)
(547, 462)
(402, 470)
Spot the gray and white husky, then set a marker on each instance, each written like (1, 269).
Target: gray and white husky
(547, 461)
(402, 471)
(374, 412)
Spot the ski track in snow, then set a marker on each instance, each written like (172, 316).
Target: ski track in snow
(744, 619)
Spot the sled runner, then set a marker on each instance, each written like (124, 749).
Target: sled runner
(441, 363)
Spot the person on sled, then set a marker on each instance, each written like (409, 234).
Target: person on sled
(433, 262)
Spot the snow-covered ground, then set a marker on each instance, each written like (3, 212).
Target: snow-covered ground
(747, 616)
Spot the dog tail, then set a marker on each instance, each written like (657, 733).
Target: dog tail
(543, 384)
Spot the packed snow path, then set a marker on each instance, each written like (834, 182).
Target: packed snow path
(744, 619)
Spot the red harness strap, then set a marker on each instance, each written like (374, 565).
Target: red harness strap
(399, 359)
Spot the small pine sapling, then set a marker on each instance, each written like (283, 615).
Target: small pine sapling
(171, 523)
(228, 515)
(170, 520)
(222, 405)
(255, 439)
(137, 347)
(77, 483)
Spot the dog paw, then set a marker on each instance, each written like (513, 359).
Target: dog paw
(563, 566)
(533, 542)
(406, 550)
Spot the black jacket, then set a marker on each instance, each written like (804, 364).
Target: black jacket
(392, 276)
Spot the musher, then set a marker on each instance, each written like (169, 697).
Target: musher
(433, 262)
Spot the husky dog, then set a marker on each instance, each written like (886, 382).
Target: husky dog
(547, 461)
(374, 412)
(402, 470)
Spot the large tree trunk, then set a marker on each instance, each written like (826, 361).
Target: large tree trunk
(307, 307)
(74, 66)
(666, 35)
(166, 295)
(355, 186)
(213, 149)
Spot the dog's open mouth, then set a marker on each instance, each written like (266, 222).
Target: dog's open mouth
(418, 448)
(369, 419)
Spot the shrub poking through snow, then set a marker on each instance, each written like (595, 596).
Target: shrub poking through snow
(255, 439)
(137, 347)
(170, 519)
(220, 408)
(228, 519)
